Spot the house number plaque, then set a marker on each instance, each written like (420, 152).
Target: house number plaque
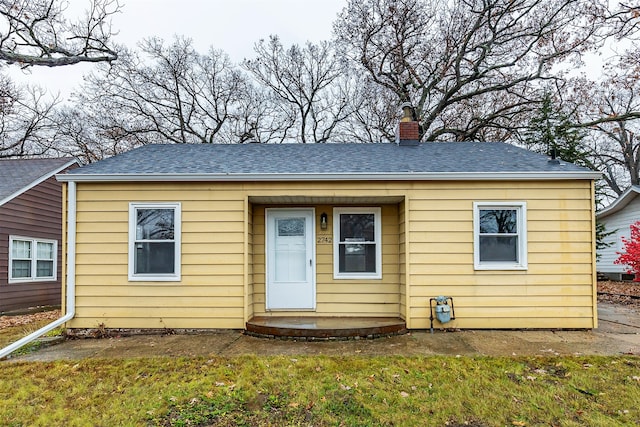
(324, 240)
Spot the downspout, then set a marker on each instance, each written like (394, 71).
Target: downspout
(71, 279)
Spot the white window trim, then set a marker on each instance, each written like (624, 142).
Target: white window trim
(521, 207)
(168, 277)
(336, 242)
(34, 260)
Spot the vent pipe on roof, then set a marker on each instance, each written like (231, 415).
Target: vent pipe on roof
(408, 130)
(554, 154)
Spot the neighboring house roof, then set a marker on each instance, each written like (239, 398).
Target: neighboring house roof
(384, 161)
(623, 200)
(20, 175)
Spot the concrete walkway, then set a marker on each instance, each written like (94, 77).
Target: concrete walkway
(619, 333)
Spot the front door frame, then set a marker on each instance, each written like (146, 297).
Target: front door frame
(311, 255)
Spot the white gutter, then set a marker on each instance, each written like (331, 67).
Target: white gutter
(71, 279)
(357, 176)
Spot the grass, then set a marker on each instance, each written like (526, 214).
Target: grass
(13, 334)
(323, 391)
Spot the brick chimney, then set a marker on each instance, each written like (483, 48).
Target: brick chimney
(408, 130)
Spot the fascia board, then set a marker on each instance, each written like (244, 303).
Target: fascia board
(38, 181)
(623, 200)
(398, 176)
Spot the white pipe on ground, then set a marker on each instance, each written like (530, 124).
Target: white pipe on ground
(71, 278)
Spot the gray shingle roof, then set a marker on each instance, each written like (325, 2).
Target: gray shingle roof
(268, 159)
(16, 174)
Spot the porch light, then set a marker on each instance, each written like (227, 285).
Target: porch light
(323, 221)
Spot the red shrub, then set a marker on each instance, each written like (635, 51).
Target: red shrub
(631, 255)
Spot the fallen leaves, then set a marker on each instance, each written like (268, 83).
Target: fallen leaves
(618, 293)
(25, 319)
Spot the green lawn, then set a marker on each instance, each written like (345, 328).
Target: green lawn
(323, 391)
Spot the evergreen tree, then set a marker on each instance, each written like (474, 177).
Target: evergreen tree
(551, 132)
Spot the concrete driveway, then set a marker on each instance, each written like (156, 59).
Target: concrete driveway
(619, 333)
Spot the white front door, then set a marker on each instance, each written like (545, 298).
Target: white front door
(290, 259)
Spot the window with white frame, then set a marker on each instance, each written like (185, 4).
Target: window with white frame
(32, 260)
(154, 241)
(500, 235)
(357, 243)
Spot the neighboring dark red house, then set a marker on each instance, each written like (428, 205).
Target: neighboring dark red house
(30, 232)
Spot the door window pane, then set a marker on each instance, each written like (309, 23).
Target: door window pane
(290, 227)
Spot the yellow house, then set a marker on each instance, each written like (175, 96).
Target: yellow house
(228, 236)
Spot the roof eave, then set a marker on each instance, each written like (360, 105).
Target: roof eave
(381, 176)
(623, 200)
(35, 182)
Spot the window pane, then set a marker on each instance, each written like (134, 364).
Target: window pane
(21, 249)
(45, 250)
(498, 221)
(20, 269)
(355, 258)
(44, 268)
(498, 248)
(154, 224)
(357, 227)
(155, 258)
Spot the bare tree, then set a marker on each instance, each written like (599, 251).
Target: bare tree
(26, 125)
(165, 93)
(258, 118)
(375, 113)
(609, 107)
(471, 68)
(37, 32)
(624, 19)
(307, 83)
(91, 134)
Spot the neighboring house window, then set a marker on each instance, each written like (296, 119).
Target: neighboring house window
(32, 260)
(154, 241)
(500, 236)
(357, 243)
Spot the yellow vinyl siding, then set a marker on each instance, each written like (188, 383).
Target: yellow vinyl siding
(211, 292)
(555, 289)
(427, 246)
(249, 291)
(338, 297)
(402, 260)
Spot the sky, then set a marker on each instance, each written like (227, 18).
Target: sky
(232, 25)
